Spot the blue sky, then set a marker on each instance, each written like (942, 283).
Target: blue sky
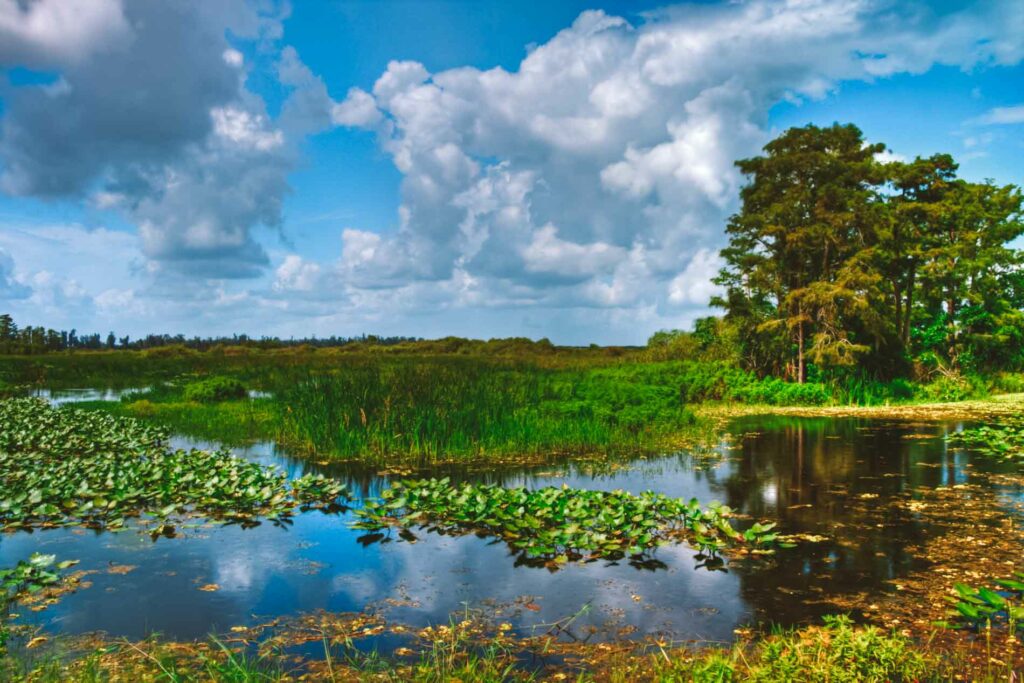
(439, 167)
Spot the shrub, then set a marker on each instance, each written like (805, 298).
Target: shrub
(953, 388)
(214, 389)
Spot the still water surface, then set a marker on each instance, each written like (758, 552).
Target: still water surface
(827, 477)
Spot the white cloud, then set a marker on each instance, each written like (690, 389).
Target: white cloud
(245, 129)
(546, 253)
(887, 156)
(694, 285)
(599, 173)
(296, 274)
(233, 57)
(1003, 116)
(10, 288)
(588, 186)
(358, 109)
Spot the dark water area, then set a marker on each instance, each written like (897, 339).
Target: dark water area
(831, 479)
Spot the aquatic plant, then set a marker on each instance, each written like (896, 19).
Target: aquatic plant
(553, 526)
(31, 576)
(464, 408)
(1004, 440)
(67, 466)
(28, 577)
(984, 607)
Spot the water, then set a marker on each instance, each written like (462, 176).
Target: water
(827, 477)
(59, 397)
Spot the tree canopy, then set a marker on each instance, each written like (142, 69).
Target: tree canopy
(838, 258)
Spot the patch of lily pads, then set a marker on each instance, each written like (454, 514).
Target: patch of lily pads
(552, 526)
(62, 467)
(31, 576)
(979, 608)
(1004, 440)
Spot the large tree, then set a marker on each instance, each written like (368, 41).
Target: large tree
(792, 266)
(838, 259)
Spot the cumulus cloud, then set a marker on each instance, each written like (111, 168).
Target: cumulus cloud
(590, 183)
(600, 171)
(150, 116)
(694, 284)
(55, 32)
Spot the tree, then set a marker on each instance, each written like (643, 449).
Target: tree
(794, 274)
(837, 259)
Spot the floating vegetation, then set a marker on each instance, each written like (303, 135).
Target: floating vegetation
(31, 576)
(985, 608)
(27, 581)
(64, 467)
(552, 526)
(1005, 440)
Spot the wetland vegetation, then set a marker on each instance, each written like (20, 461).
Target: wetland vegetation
(70, 467)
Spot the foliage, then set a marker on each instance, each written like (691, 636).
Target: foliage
(556, 525)
(31, 576)
(442, 408)
(837, 652)
(76, 467)
(26, 578)
(950, 388)
(1004, 440)
(983, 607)
(841, 260)
(214, 389)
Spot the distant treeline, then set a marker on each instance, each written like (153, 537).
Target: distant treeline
(32, 340)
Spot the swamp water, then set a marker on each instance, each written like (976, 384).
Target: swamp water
(830, 480)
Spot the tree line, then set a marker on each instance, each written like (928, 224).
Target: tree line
(839, 260)
(33, 340)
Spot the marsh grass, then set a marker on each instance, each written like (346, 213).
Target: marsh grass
(449, 408)
(459, 408)
(423, 409)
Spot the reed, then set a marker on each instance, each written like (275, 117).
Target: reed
(464, 407)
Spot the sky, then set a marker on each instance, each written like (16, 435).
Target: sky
(482, 168)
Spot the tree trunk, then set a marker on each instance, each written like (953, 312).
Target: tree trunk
(951, 321)
(905, 333)
(800, 353)
(898, 296)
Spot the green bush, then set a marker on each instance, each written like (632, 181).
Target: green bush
(1008, 383)
(215, 389)
(949, 388)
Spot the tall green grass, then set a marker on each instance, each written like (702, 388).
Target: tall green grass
(452, 407)
(446, 408)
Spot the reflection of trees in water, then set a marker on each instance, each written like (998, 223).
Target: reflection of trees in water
(836, 478)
